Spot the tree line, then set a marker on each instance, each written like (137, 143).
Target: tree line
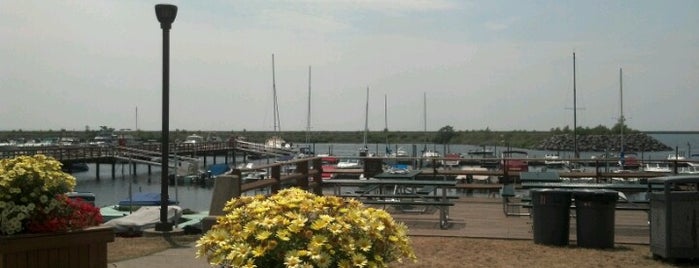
(445, 135)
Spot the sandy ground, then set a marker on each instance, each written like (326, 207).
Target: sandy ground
(456, 252)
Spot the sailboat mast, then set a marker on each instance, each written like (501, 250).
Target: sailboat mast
(424, 115)
(366, 117)
(275, 110)
(575, 114)
(621, 114)
(308, 116)
(385, 121)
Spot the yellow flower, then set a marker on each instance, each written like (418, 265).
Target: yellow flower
(263, 235)
(301, 229)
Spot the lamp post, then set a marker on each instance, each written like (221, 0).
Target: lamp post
(166, 15)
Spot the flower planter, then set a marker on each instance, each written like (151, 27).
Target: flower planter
(83, 248)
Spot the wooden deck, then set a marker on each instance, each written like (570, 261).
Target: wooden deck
(480, 217)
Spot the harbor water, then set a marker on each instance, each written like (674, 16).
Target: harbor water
(110, 191)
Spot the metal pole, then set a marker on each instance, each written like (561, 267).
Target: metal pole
(166, 15)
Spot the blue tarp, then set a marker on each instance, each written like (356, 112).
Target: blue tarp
(285, 158)
(218, 169)
(144, 199)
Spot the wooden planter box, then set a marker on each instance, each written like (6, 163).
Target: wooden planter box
(85, 248)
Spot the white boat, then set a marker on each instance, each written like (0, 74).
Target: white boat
(349, 163)
(400, 152)
(193, 139)
(554, 161)
(476, 178)
(277, 142)
(675, 157)
(689, 170)
(657, 167)
(452, 160)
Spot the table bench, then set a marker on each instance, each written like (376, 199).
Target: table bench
(404, 195)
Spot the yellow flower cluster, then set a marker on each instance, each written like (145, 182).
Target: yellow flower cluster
(27, 183)
(295, 228)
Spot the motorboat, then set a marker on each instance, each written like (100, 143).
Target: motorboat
(277, 142)
(630, 162)
(328, 165)
(689, 170)
(452, 160)
(430, 155)
(554, 161)
(514, 160)
(349, 163)
(674, 157)
(193, 139)
(657, 167)
(474, 178)
(484, 157)
(249, 173)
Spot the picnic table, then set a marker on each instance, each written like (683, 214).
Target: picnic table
(406, 195)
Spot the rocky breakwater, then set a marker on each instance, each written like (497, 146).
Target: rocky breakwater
(637, 142)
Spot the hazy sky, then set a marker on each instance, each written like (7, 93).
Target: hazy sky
(503, 65)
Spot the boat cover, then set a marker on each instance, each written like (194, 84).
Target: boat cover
(143, 218)
(144, 199)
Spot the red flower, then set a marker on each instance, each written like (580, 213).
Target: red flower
(70, 214)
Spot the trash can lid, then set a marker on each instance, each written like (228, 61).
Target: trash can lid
(596, 194)
(551, 191)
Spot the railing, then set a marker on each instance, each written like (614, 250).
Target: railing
(306, 175)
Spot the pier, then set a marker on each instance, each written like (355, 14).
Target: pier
(147, 153)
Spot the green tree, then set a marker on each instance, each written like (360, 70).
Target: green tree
(444, 135)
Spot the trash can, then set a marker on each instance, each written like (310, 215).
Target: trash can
(674, 217)
(551, 214)
(594, 211)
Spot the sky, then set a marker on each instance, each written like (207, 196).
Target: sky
(472, 65)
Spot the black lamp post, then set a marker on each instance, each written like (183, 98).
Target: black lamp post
(166, 15)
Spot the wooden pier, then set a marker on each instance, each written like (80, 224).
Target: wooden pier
(148, 153)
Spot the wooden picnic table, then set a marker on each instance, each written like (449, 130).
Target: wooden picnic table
(406, 193)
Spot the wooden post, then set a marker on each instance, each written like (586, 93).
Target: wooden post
(302, 167)
(318, 177)
(276, 176)
(97, 170)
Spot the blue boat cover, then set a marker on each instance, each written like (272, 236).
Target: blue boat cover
(144, 199)
(218, 169)
(285, 158)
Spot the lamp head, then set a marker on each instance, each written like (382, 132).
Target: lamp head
(166, 14)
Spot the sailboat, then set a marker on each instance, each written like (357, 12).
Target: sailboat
(276, 141)
(428, 155)
(389, 152)
(625, 161)
(306, 150)
(364, 151)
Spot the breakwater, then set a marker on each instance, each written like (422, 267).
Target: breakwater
(637, 142)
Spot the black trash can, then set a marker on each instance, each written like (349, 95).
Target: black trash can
(551, 213)
(594, 210)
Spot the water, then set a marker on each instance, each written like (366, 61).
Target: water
(109, 191)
